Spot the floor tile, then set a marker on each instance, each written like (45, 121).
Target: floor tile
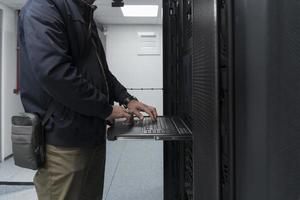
(140, 173)
(134, 171)
(17, 193)
(10, 172)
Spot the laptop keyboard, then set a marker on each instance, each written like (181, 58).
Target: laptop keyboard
(165, 128)
(161, 126)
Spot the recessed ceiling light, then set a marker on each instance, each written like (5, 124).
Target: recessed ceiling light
(140, 10)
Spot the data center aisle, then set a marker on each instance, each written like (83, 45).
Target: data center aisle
(134, 171)
(139, 172)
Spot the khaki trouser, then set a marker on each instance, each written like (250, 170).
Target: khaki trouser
(71, 174)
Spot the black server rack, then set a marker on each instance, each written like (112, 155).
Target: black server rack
(267, 122)
(206, 108)
(197, 68)
(178, 158)
(259, 91)
(244, 62)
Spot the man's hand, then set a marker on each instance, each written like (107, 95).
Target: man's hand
(119, 112)
(137, 107)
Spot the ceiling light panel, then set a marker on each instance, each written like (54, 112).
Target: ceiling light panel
(140, 10)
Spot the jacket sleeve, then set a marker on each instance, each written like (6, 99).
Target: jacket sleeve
(119, 91)
(43, 36)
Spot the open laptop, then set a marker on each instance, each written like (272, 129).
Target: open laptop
(164, 128)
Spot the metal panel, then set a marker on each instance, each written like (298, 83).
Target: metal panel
(250, 71)
(173, 151)
(283, 100)
(267, 99)
(226, 90)
(205, 100)
(178, 165)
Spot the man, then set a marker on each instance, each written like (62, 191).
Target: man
(63, 66)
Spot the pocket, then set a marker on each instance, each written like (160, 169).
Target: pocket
(21, 130)
(21, 139)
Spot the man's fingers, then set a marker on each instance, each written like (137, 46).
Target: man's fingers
(155, 114)
(153, 111)
(126, 115)
(138, 114)
(148, 111)
(139, 106)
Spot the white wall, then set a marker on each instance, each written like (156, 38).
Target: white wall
(133, 70)
(102, 38)
(10, 103)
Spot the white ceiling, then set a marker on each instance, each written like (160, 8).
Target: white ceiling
(105, 14)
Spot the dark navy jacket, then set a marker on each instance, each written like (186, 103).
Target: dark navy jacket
(59, 64)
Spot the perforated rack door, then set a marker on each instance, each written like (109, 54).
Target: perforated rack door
(205, 100)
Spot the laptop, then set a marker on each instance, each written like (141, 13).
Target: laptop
(164, 128)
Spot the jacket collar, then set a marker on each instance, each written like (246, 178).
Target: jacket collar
(85, 7)
(87, 4)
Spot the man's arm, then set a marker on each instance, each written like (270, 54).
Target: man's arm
(119, 91)
(134, 106)
(121, 95)
(46, 44)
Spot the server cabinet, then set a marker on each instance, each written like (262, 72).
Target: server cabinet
(245, 99)
(267, 43)
(178, 158)
(206, 100)
(259, 95)
(172, 149)
(191, 83)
